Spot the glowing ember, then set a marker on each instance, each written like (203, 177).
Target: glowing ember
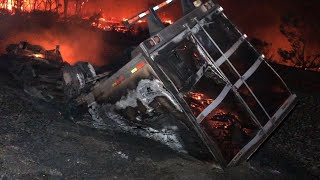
(38, 55)
(200, 98)
(110, 24)
(168, 21)
(219, 118)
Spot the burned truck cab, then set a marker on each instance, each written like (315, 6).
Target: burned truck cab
(203, 74)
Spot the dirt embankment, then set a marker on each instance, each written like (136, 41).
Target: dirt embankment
(37, 142)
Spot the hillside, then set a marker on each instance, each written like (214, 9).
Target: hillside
(37, 142)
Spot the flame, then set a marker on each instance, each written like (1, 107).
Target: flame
(98, 16)
(30, 5)
(88, 8)
(109, 24)
(6, 5)
(38, 55)
(200, 98)
(168, 21)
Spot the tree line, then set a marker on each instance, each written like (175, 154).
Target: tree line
(44, 5)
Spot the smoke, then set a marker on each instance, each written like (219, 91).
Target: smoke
(125, 9)
(261, 19)
(80, 45)
(76, 43)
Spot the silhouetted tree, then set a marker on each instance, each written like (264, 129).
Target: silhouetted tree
(295, 30)
(58, 5)
(78, 7)
(35, 3)
(65, 11)
(18, 5)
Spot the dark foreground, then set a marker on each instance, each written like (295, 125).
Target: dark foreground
(37, 142)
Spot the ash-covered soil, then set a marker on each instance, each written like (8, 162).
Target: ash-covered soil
(38, 142)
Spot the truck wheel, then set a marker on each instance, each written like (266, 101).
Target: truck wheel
(75, 78)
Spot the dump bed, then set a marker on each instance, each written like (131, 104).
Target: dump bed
(203, 75)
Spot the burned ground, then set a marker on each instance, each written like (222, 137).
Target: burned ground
(38, 142)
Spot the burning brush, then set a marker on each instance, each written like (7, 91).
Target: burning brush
(25, 49)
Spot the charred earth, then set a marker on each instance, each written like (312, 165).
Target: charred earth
(39, 141)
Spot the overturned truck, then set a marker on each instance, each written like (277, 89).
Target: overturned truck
(199, 75)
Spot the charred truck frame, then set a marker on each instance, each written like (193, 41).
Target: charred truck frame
(203, 75)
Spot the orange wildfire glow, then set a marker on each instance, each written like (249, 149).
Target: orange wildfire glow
(113, 24)
(109, 24)
(105, 23)
(27, 5)
(200, 98)
(73, 48)
(198, 102)
(39, 55)
(168, 21)
(31, 5)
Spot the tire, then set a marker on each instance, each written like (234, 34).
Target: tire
(75, 78)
